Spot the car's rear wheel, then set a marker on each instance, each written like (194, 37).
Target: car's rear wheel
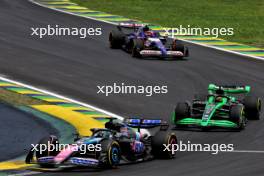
(110, 154)
(237, 116)
(252, 107)
(116, 39)
(138, 45)
(162, 138)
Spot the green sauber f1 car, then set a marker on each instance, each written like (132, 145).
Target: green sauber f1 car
(222, 108)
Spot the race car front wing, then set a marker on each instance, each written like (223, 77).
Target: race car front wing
(160, 54)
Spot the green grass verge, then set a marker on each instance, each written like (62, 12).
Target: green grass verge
(245, 16)
(18, 99)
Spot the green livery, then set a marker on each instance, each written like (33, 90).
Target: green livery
(222, 108)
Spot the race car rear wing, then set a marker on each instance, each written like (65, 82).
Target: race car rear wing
(146, 123)
(131, 25)
(134, 26)
(232, 89)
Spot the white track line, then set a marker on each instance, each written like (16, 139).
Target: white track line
(69, 99)
(62, 97)
(70, 13)
(200, 44)
(221, 49)
(246, 151)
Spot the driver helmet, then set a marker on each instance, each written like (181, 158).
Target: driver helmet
(219, 99)
(145, 28)
(124, 131)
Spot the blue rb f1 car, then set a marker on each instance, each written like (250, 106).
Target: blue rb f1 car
(144, 42)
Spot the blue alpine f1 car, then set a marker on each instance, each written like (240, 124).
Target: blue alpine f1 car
(144, 42)
(117, 143)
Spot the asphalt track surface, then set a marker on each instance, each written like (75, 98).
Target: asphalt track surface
(74, 67)
(18, 130)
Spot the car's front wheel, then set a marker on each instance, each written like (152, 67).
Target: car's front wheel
(237, 116)
(138, 46)
(182, 110)
(110, 153)
(46, 148)
(177, 45)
